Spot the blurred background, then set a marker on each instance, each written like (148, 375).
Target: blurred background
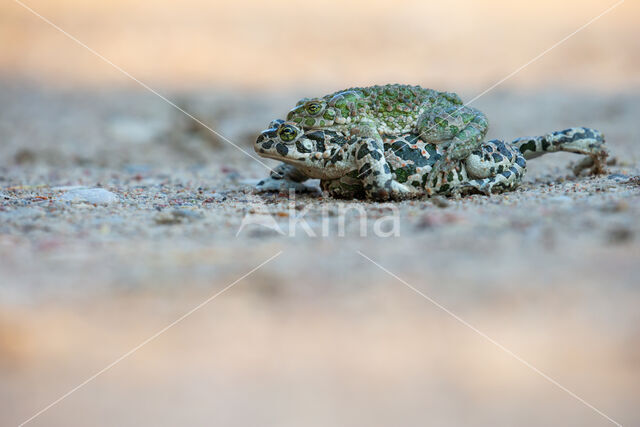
(328, 45)
(318, 336)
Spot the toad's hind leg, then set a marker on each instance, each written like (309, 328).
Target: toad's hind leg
(495, 168)
(573, 140)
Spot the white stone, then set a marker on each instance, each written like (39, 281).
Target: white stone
(96, 196)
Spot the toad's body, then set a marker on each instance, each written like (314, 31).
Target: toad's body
(389, 110)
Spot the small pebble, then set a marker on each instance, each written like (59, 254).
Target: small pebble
(176, 216)
(96, 196)
(560, 199)
(620, 235)
(617, 206)
(23, 156)
(433, 220)
(617, 176)
(440, 201)
(633, 181)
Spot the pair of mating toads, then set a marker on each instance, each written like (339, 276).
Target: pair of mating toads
(395, 142)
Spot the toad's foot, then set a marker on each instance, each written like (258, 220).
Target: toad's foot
(443, 171)
(270, 185)
(284, 178)
(595, 165)
(393, 190)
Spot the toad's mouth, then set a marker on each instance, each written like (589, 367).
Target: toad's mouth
(273, 149)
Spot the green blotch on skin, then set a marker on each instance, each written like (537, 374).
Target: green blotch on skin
(329, 114)
(454, 129)
(321, 122)
(450, 176)
(309, 121)
(297, 119)
(348, 187)
(402, 174)
(441, 122)
(467, 117)
(453, 98)
(344, 112)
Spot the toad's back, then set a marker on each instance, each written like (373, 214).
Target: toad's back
(396, 106)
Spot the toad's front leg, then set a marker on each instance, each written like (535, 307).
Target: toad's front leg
(372, 167)
(458, 130)
(374, 172)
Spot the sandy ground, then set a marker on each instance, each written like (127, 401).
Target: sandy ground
(319, 335)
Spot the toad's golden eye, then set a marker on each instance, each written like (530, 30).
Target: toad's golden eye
(313, 108)
(287, 133)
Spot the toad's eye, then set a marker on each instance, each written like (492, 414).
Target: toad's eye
(313, 108)
(287, 133)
